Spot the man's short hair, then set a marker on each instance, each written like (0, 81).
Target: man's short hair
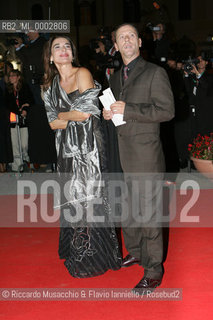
(126, 24)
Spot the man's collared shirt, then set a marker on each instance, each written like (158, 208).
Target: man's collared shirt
(130, 66)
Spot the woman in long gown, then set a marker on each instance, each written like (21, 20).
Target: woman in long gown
(71, 102)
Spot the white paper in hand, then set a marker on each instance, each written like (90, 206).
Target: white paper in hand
(107, 99)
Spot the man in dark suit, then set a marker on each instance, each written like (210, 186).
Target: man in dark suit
(199, 88)
(145, 99)
(31, 56)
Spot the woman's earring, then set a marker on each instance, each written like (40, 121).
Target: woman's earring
(51, 62)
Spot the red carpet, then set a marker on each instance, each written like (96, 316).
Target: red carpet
(29, 260)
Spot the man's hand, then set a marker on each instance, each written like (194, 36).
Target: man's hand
(118, 107)
(154, 35)
(107, 114)
(97, 50)
(194, 70)
(24, 113)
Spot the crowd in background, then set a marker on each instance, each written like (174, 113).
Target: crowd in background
(27, 142)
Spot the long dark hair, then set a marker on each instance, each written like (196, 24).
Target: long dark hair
(50, 70)
(19, 84)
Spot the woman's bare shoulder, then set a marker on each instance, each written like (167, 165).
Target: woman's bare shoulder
(84, 79)
(83, 72)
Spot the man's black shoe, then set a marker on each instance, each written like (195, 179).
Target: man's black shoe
(129, 261)
(146, 285)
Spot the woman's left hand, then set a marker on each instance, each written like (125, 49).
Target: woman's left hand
(73, 116)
